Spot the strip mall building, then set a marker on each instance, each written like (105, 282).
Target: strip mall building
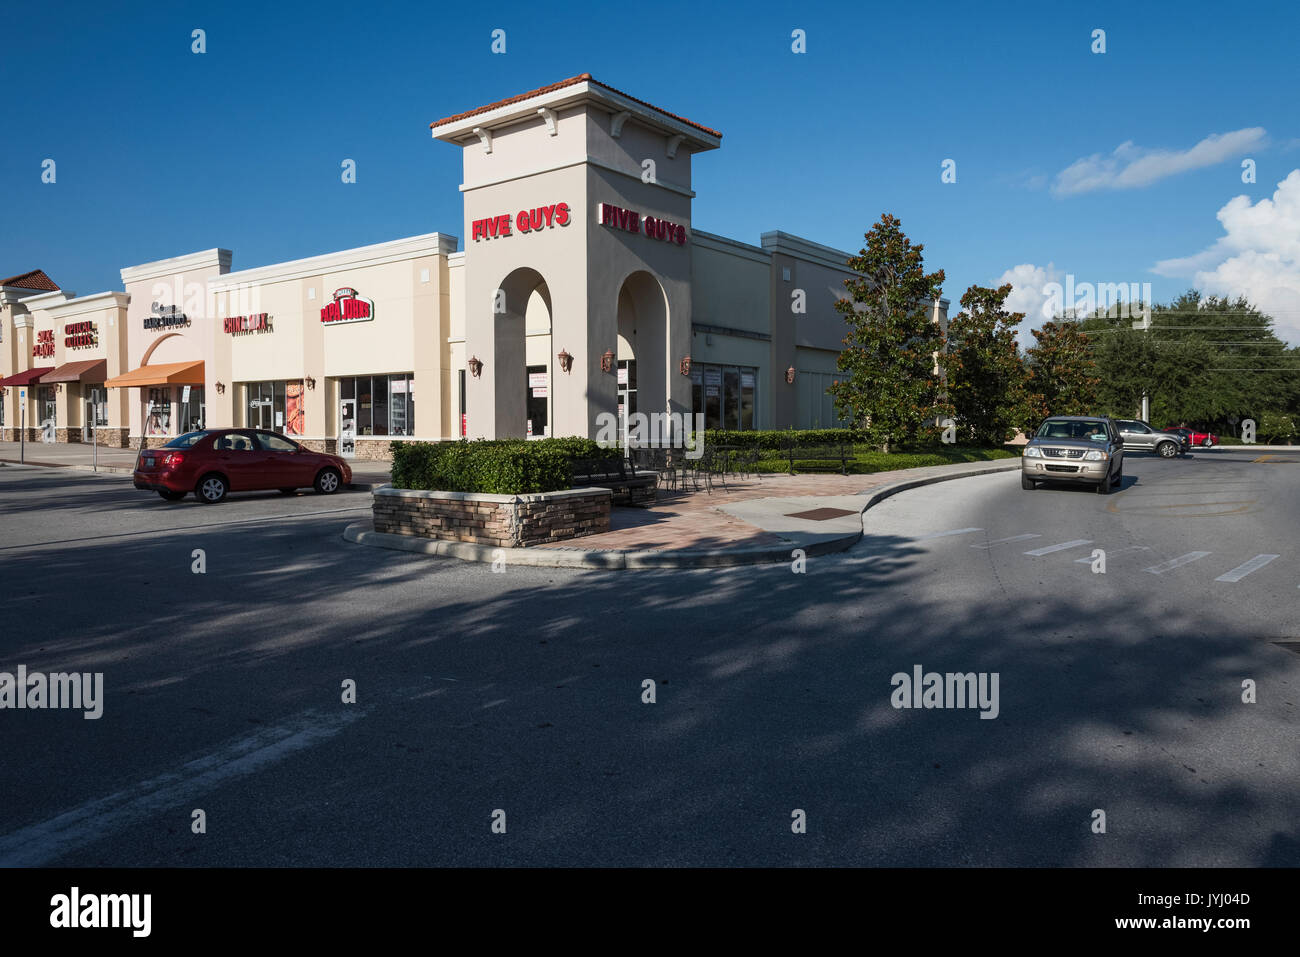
(584, 288)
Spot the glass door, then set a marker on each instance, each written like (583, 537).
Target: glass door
(538, 400)
(347, 428)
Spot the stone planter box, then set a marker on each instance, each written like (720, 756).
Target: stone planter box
(505, 521)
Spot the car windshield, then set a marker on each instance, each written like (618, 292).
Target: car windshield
(187, 440)
(1085, 430)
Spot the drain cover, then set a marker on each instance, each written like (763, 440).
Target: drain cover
(821, 514)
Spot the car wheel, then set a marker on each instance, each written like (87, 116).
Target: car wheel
(287, 491)
(171, 496)
(1118, 480)
(328, 481)
(1026, 482)
(211, 489)
(1103, 487)
(1167, 450)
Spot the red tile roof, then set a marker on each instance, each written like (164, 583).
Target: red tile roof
(571, 81)
(36, 279)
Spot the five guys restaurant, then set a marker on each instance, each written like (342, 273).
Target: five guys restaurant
(583, 288)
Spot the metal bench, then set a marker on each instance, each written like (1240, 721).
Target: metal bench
(613, 472)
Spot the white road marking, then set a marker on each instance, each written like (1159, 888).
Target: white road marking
(1178, 562)
(1003, 541)
(48, 840)
(955, 531)
(1061, 547)
(1241, 571)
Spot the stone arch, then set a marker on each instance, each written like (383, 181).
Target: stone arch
(643, 340)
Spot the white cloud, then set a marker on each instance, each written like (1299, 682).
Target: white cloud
(1257, 257)
(1130, 166)
(1030, 295)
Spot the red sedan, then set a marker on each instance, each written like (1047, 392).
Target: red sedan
(1205, 440)
(212, 462)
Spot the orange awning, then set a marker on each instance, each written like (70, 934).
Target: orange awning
(168, 373)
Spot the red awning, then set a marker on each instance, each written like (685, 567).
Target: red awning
(88, 370)
(25, 378)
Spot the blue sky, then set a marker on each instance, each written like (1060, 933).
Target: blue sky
(161, 152)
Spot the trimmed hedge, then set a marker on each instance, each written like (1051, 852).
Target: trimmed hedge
(778, 440)
(490, 466)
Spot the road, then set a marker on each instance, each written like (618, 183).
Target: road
(522, 691)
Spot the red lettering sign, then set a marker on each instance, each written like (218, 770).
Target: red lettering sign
(655, 228)
(525, 221)
(348, 307)
(261, 322)
(44, 346)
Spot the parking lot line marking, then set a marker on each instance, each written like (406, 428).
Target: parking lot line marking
(1178, 562)
(1061, 547)
(50, 839)
(955, 531)
(1241, 571)
(1003, 541)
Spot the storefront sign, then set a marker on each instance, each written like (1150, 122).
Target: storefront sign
(348, 307)
(261, 322)
(44, 345)
(616, 217)
(537, 380)
(165, 317)
(526, 221)
(80, 335)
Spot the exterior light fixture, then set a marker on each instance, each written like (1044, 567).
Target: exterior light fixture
(221, 388)
(684, 367)
(311, 383)
(789, 376)
(607, 361)
(475, 366)
(566, 360)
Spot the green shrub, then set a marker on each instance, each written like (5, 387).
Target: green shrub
(778, 440)
(490, 466)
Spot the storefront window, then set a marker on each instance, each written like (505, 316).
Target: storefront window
(158, 412)
(276, 406)
(385, 404)
(538, 400)
(192, 409)
(95, 394)
(726, 395)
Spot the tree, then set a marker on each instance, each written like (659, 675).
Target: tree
(985, 374)
(1060, 374)
(1204, 360)
(893, 390)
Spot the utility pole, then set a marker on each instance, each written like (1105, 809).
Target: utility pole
(1144, 324)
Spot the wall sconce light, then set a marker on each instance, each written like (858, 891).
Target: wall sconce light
(566, 360)
(475, 366)
(58, 387)
(684, 367)
(221, 388)
(789, 376)
(607, 361)
(311, 383)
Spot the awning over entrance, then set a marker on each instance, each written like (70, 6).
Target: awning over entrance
(168, 373)
(89, 370)
(28, 377)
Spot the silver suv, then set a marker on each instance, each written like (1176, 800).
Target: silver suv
(1074, 448)
(1140, 437)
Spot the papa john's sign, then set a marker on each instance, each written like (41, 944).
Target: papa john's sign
(348, 307)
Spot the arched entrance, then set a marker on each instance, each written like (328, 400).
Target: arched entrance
(522, 357)
(643, 360)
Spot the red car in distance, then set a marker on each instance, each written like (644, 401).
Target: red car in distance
(1205, 440)
(212, 462)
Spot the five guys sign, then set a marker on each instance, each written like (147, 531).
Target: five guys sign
(526, 221)
(619, 218)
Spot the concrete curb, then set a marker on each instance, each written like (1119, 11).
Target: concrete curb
(363, 533)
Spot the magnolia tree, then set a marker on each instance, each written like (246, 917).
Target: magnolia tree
(1060, 374)
(892, 389)
(985, 374)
